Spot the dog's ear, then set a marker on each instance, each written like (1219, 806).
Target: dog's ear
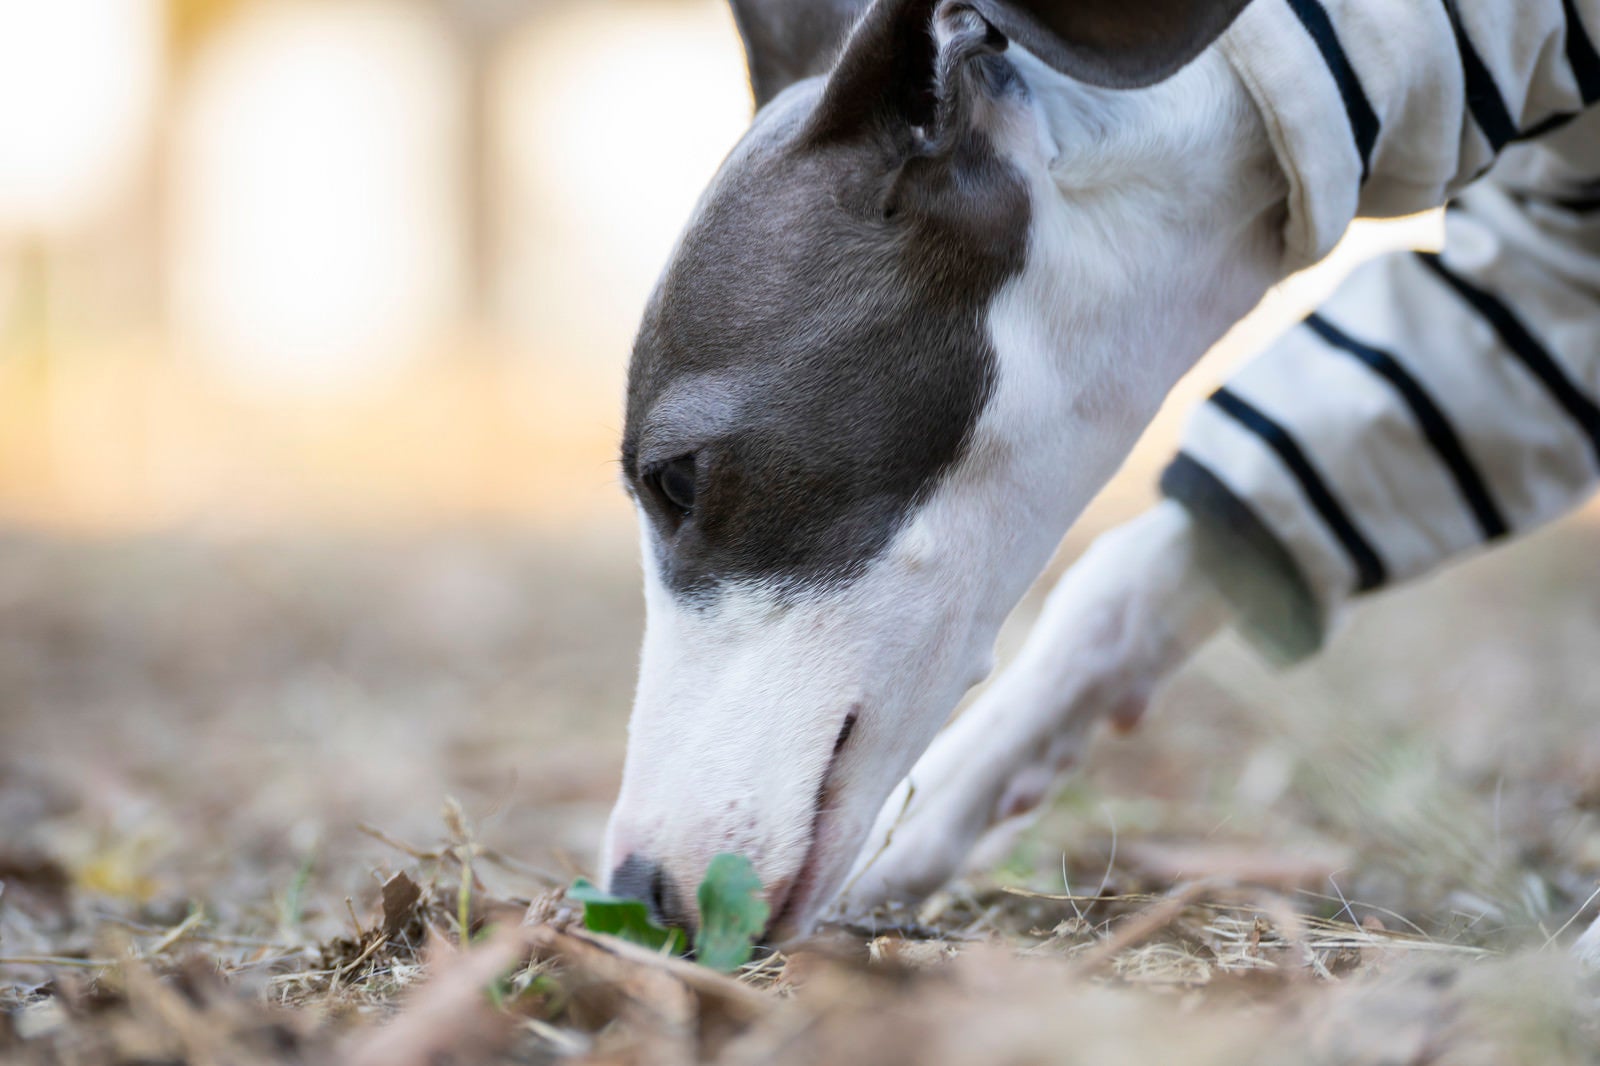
(786, 41)
(1117, 44)
(913, 61)
(904, 70)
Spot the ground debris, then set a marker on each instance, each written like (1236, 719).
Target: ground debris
(36, 884)
(1197, 974)
(197, 733)
(183, 1013)
(441, 970)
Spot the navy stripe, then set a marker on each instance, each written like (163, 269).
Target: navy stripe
(1370, 570)
(1435, 425)
(1577, 205)
(1549, 125)
(1581, 54)
(1483, 96)
(1526, 348)
(1364, 125)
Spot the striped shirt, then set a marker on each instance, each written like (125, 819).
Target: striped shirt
(1435, 403)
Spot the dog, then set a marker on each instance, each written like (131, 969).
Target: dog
(927, 306)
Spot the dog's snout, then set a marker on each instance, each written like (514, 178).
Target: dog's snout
(645, 879)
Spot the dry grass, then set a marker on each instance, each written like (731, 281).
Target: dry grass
(221, 837)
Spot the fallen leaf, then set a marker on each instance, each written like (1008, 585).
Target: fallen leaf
(400, 898)
(36, 884)
(732, 914)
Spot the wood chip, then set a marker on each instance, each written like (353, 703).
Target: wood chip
(400, 898)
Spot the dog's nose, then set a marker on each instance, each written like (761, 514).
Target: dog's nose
(641, 878)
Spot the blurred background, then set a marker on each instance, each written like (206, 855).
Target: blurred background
(338, 263)
(314, 316)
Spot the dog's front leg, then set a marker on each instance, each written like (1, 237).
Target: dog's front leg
(1121, 621)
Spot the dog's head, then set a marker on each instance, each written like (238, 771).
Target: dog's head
(859, 419)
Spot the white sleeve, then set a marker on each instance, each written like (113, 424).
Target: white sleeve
(1379, 108)
(1433, 405)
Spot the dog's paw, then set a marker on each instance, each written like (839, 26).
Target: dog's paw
(914, 850)
(1117, 626)
(996, 764)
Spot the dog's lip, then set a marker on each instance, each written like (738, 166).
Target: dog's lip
(795, 892)
(793, 895)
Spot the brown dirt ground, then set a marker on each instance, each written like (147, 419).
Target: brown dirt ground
(214, 754)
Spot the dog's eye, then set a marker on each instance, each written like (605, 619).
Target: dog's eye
(674, 482)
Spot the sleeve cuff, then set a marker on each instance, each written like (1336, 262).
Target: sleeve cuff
(1256, 573)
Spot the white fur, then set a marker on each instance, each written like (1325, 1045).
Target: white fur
(1120, 622)
(1135, 607)
(1153, 231)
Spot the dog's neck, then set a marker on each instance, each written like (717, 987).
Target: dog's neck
(1170, 198)
(1157, 224)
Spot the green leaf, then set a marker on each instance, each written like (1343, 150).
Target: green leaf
(732, 914)
(628, 919)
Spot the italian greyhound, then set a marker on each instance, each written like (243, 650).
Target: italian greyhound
(918, 319)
